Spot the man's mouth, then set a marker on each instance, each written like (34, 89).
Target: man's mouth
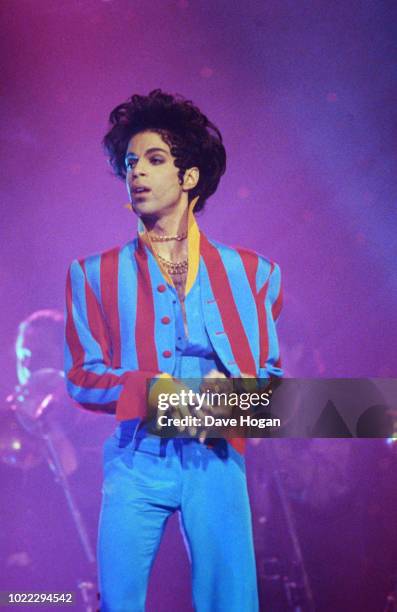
(140, 190)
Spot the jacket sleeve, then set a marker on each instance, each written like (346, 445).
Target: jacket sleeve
(269, 307)
(90, 378)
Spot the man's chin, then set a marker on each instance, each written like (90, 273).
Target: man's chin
(143, 208)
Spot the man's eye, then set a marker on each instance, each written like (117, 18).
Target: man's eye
(156, 160)
(129, 164)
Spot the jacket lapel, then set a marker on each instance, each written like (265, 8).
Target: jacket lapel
(221, 317)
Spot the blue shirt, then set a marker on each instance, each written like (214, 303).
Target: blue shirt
(195, 355)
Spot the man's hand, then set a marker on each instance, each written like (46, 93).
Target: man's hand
(214, 382)
(217, 382)
(181, 410)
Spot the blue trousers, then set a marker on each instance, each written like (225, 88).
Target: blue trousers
(146, 479)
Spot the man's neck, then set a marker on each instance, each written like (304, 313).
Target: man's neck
(167, 226)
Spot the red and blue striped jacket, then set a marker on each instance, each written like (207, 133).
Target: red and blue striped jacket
(119, 326)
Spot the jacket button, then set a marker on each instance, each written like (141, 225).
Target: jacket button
(161, 288)
(167, 353)
(165, 320)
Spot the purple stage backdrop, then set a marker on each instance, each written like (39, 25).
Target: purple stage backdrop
(305, 94)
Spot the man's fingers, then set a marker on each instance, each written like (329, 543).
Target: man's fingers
(249, 382)
(184, 411)
(224, 385)
(214, 374)
(202, 437)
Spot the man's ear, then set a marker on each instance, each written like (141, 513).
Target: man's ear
(191, 178)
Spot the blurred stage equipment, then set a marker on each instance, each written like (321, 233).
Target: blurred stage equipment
(37, 415)
(17, 448)
(294, 581)
(313, 475)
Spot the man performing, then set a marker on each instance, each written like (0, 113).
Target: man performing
(169, 305)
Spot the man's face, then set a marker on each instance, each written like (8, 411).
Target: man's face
(149, 164)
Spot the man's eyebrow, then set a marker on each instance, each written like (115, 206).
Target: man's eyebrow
(151, 150)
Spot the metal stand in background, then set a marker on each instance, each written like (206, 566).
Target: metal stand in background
(37, 406)
(61, 478)
(87, 588)
(297, 589)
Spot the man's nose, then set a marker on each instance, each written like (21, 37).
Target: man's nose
(138, 170)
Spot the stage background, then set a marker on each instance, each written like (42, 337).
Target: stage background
(304, 94)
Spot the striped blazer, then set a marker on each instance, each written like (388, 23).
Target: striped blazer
(120, 330)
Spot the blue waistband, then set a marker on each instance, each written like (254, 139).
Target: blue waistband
(133, 431)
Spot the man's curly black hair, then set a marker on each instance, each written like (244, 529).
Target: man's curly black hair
(192, 138)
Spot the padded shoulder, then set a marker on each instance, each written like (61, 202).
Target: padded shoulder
(257, 265)
(94, 259)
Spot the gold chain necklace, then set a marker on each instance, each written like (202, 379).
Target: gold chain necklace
(174, 267)
(165, 238)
